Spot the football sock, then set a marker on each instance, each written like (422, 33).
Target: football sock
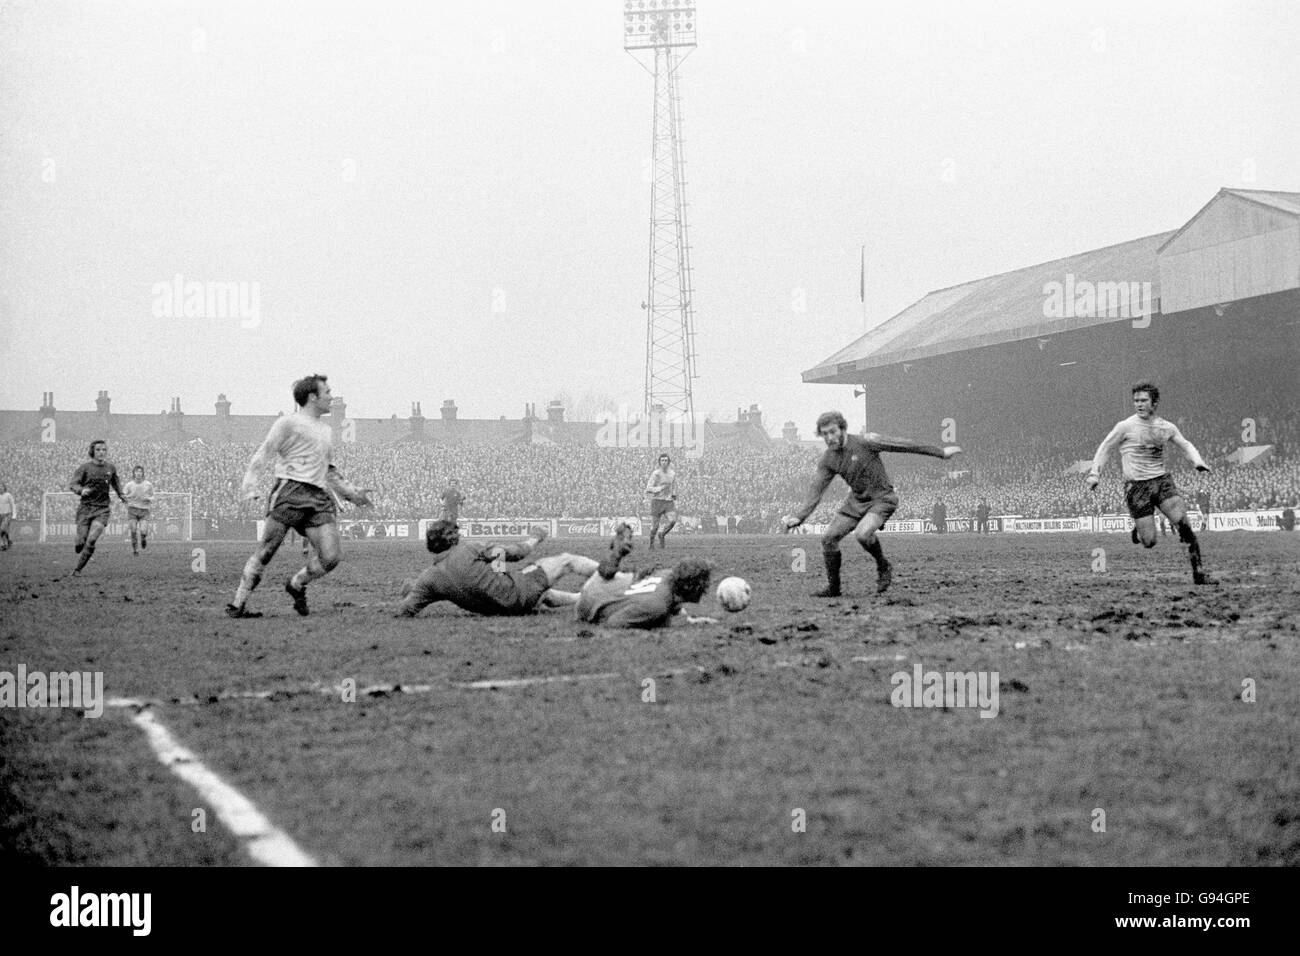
(305, 575)
(876, 551)
(135, 541)
(833, 558)
(249, 580)
(1188, 537)
(86, 552)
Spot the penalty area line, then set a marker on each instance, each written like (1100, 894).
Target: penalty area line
(265, 843)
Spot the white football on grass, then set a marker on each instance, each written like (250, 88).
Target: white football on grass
(733, 593)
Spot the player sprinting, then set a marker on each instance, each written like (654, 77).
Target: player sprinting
(8, 511)
(1147, 485)
(299, 449)
(662, 489)
(472, 575)
(92, 482)
(139, 499)
(871, 499)
(646, 600)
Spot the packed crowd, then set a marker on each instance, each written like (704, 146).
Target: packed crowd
(754, 486)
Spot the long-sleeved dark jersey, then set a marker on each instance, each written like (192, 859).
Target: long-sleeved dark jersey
(858, 463)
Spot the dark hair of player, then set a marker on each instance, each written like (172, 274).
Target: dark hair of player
(1150, 390)
(665, 457)
(90, 453)
(691, 579)
(441, 535)
(828, 418)
(305, 388)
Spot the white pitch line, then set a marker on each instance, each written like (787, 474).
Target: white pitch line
(530, 681)
(867, 660)
(265, 844)
(377, 689)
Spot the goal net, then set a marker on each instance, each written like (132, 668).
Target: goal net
(171, 517)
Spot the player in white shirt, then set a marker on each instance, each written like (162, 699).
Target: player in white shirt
(1141, 439)
(8, 511)
(299, 450)
(662, 489)
(139, 499)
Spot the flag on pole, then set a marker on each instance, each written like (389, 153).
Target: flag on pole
(862, 282)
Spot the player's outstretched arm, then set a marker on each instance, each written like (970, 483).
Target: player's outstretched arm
(1189, 450)
(263, 457)
(907, 446)
(821, 481)
(346, 490)
(1103, 452)
(518, 550)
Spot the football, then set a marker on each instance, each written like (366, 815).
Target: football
(733, 593)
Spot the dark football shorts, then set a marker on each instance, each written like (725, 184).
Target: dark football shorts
(884, 505)
(89, 514)
(139, 514)
(1144, 496)
(661, 506)
(531, 585)
(300, 506)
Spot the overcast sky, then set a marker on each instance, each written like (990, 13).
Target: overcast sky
(448, 201)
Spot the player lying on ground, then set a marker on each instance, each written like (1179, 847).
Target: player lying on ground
(91, 483)
(472, 576)
(662, 489)
(871, 499)
(139, 498)
(647, 599)
(300, 449)
(1147, 485)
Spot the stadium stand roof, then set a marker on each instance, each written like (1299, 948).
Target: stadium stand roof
(1010, 307)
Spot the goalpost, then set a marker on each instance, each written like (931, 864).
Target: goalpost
(171, 516)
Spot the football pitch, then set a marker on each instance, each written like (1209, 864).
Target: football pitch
(1128, 718)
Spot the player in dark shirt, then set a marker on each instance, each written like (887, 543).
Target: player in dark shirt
(452, 499)
(92, 482)
(871, 499)
(648, 599)
(473, 575)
